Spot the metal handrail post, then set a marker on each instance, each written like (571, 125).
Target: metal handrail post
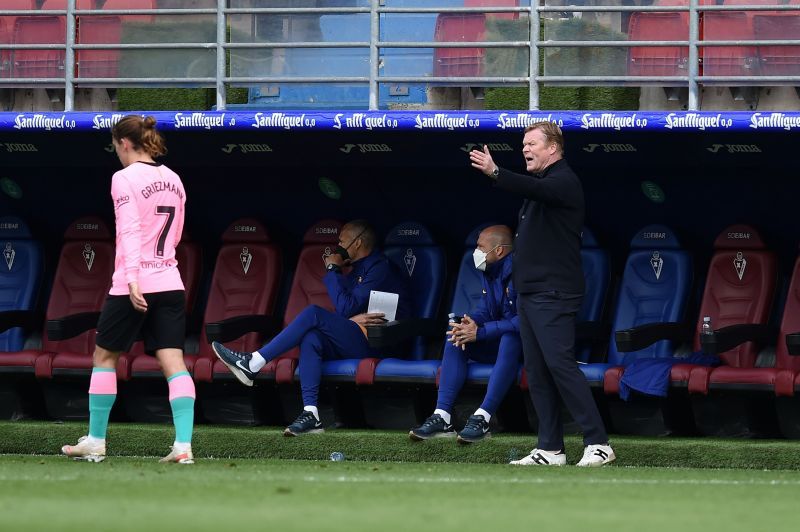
(222, 37)
(69, 59)
(533, 60)
(374, 67)
(694, 58)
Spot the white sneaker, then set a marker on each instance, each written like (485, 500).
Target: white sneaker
(86, 449)
(596, 456)
(540, 457)
(179, 457)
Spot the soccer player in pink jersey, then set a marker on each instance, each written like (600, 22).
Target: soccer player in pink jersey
(147, 293)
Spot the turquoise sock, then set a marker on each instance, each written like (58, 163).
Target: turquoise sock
(182, 414)
(99, 410)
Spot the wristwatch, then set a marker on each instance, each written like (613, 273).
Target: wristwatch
(495, 173)
(333, 267)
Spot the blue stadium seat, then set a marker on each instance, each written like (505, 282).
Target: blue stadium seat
(596, 274)
(411, 248)
(20, 280)
(654, 289)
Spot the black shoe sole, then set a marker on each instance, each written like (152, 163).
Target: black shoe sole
(467, 441)
(417, 437)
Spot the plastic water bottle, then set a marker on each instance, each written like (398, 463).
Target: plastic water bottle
(707, 329)
(336, 456)
(513, 454)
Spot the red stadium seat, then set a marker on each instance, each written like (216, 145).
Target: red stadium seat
(459, 27)
(495, 3)
(7, 24)
(80, 287)
(659, 60)
(237, 406)
(778, 60)
(739, 290)
(307, 286)
(43, 29)
(106, 29)
(244, 285)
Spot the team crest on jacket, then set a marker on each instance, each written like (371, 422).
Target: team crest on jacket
(9, 254)
(88, 255)
(245, 257)
(410, 260)
(740, 263)
(657, 263)
(325, 254)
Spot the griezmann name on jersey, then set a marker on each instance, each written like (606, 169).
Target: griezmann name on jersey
(149, 206)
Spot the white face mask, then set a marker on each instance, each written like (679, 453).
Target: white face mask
(479, 258)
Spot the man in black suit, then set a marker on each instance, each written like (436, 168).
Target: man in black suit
(548, 276)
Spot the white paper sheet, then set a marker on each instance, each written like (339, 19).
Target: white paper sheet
(385, 302)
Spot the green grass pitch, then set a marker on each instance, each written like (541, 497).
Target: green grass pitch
(139, 494)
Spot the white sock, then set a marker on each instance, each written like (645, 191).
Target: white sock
(92, 439)
(445, 415)
(486, 415)
(313, 410)
(181, 447)
(257, 362)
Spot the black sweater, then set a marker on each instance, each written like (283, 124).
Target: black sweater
(547, 246)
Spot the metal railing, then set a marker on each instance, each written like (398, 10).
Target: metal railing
(222, 46)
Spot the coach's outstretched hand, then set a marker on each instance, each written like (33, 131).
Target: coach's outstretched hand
(482, 160)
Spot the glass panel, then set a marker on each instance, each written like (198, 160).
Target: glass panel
(157, 63)
(761, 60)
(301, 62)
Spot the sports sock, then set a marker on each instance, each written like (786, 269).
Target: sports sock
(181, 399)
(102, 393)
(445, 415)
(313, 409)
(486, 415)
(257, 362)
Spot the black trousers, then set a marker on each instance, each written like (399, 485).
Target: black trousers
(547, 329)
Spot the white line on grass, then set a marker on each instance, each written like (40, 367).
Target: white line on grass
(553, 480)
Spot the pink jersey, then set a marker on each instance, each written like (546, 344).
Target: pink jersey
(149, 205)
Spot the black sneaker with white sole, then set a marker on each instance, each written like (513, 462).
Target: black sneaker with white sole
(476, 429)
(238, 363)
(306, 423)
(433, 427)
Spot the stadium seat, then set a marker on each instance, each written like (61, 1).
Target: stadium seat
(730, 26)
(649, 314)
(241, 301)
(389, 386)
(777, 60)
(7, 24)
(459, 27)
(42, 29)
(659, 60)
(80, 287)
(20, 281)
(738, 298)
(495, 3)
(654, 292)
(240, 313)
(106, 29)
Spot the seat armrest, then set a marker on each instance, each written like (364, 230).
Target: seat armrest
(793, 343)
(637, 338)
(727, 338)
(394, 332)
(27, 319)
(237, 326)
(71, 326)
